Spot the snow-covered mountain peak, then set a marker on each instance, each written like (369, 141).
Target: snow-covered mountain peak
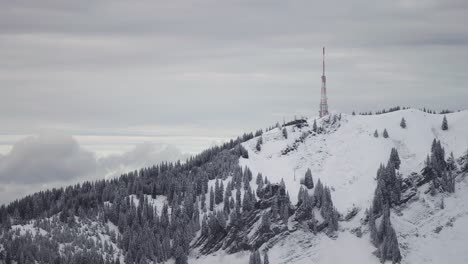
(346, 154)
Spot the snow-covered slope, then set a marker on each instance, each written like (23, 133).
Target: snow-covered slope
(346, 156)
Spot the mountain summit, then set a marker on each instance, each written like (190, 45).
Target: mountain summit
(337, 189)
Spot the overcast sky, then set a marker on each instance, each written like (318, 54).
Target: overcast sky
(115, 84)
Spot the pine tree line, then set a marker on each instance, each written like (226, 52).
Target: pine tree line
(386, 195)
(438, 170)
(145, 235)
(322, 201)
(255, 258)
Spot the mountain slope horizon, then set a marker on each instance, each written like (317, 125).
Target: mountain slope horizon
(341, 150)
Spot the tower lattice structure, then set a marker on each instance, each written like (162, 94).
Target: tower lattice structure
(323, 100)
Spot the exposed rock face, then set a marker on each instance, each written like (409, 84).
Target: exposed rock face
(250, 233)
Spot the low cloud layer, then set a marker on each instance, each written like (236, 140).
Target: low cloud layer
(46, 158)
(145, 154)
(49, 160)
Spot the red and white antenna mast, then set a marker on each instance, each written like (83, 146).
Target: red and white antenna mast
(323, 100)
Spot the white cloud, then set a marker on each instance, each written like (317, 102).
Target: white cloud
(52, 160)
(46, 158)
(143, 155)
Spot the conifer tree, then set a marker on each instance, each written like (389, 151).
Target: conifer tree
(444, 123)
(259, 144)
(318, 194)
(226, 205)
(274, 208)
(314, 126)
(376, 134)
(212, 199)
(203, 202)
(451, 164)
(259, 179)
(265, 224)
(465, 167)
(385, 133)
(395, 158)
(265, 258)
(285, 214)
(403, 123)
(308, 181)
(285, 132)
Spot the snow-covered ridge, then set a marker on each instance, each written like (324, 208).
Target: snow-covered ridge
(346, 155)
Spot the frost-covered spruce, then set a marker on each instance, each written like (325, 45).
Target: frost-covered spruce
(403, 123)
(444, 123)
(212, 198)
(255, 257)
(258, 147)
(439, 170)
(382, 234)
(395, 158)
(385, 133)
(259, 179)
(265, 258)
(376, 133)
(451, 164)
(265, 222)
(285, 132)
(308, 181)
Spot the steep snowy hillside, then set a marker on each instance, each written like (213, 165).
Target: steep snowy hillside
(348, 155)
(249, 197)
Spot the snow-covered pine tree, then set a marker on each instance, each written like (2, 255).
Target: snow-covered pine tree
(226, 204)
(282, 184)
(301, 195)
(395, 158)
(328, 211)
(274, 208)
(385, 133)
(265, 223)
(285, 132)
(308, 181)
(382, 234)
(376, 134)
(444, 123)
(203, 202)
(318, 194)
(255, 257)
(259, 179)
(465, 167)
(305, 209)
(389, 248)
(259, 144)
(285, 214)
(451, 164)
(265, 258)
(314, 126)
(212, 199)
(403, 123)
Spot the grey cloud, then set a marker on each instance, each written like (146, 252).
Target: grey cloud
(143, 155)
(51, 160)
(46, 158)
